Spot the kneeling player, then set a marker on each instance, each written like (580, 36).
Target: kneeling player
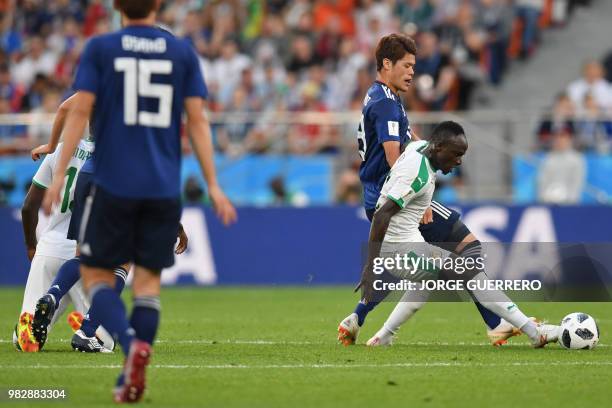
(405, 196)
(53, 249)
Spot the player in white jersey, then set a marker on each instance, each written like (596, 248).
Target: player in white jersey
(53, 248)
(395, 236)
(421, 187)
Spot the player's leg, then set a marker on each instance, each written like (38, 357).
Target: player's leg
(43, 316)
(90, 336)
(47, 304)
(498, 302)
(499, 330)
(69, 272)
(107, 239)
(158, 222)
(410, 303)
(349, 327)
(40, 276)
(449, 232)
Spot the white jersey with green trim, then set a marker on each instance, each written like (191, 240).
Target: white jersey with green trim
(53, 241)
(410, 184)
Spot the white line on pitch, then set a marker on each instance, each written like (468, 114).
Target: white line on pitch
(321, 343)
(319, 366)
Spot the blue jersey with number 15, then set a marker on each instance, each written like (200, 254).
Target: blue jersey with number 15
(141, 76)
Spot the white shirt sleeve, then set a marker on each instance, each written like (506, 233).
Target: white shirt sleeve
(44, 175)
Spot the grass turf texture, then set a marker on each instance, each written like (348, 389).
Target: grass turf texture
(276, 347)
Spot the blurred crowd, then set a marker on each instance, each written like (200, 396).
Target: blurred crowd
(265, 57)
(579, 122)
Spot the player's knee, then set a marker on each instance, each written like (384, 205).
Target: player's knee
(146, 282)
(96, 276)
(472, 262)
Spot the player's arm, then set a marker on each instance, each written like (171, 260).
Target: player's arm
(56, 130)
(76, 122)
(201, 140)
(378, 230)
(29, 216)
(392, 151)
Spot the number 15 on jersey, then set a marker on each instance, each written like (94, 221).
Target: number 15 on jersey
(137, 82)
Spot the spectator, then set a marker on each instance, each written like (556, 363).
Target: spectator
(562, 173)
(434, 76)
(280, 195)
(228, 68)
(594, 131)
(40, 130)
(34, 97)
(302, 55)
(529, 11)
(193, 191)
(561, 120)
(592, 82)
(36, 61)
(9, 90)
(418, 12)
(349, 188)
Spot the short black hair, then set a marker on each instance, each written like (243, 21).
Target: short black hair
(446, 131)
(136, 9)
(394, 47)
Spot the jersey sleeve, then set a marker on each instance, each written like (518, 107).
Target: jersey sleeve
(387, 119)
(44, 174)
(88, 76)
(194, 82)
(405, 182)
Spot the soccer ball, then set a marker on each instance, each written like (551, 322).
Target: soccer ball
(579, 331)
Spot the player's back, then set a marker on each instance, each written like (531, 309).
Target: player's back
(53, 240)
(141, 76)
(383, 119)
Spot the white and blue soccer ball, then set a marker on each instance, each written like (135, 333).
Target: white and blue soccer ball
(579, 331)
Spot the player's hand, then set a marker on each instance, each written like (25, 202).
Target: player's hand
(183, 241)
(31, 253)
(52, 195)
(428, 216)
(222, 205)
(40, 150)
(366, 283)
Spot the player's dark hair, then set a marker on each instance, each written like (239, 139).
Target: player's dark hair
(136, 9)
(393, 47)
(446, 131)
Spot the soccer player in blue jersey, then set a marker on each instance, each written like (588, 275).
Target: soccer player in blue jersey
(87, 338)
(384, 130)
(141, 79)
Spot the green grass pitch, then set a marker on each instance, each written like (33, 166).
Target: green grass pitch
(276, 347)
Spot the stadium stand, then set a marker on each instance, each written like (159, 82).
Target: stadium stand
(265, 61)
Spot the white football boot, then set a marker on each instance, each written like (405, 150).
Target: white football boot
(348, 330)
(547, 333)
(382, 338)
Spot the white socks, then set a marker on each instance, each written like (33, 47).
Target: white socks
(408, 305)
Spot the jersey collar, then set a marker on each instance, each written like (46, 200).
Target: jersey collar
(387, 86)
(420, 151)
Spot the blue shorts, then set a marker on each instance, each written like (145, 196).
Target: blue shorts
(81, 191)
(117, 230)
(441, 229)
